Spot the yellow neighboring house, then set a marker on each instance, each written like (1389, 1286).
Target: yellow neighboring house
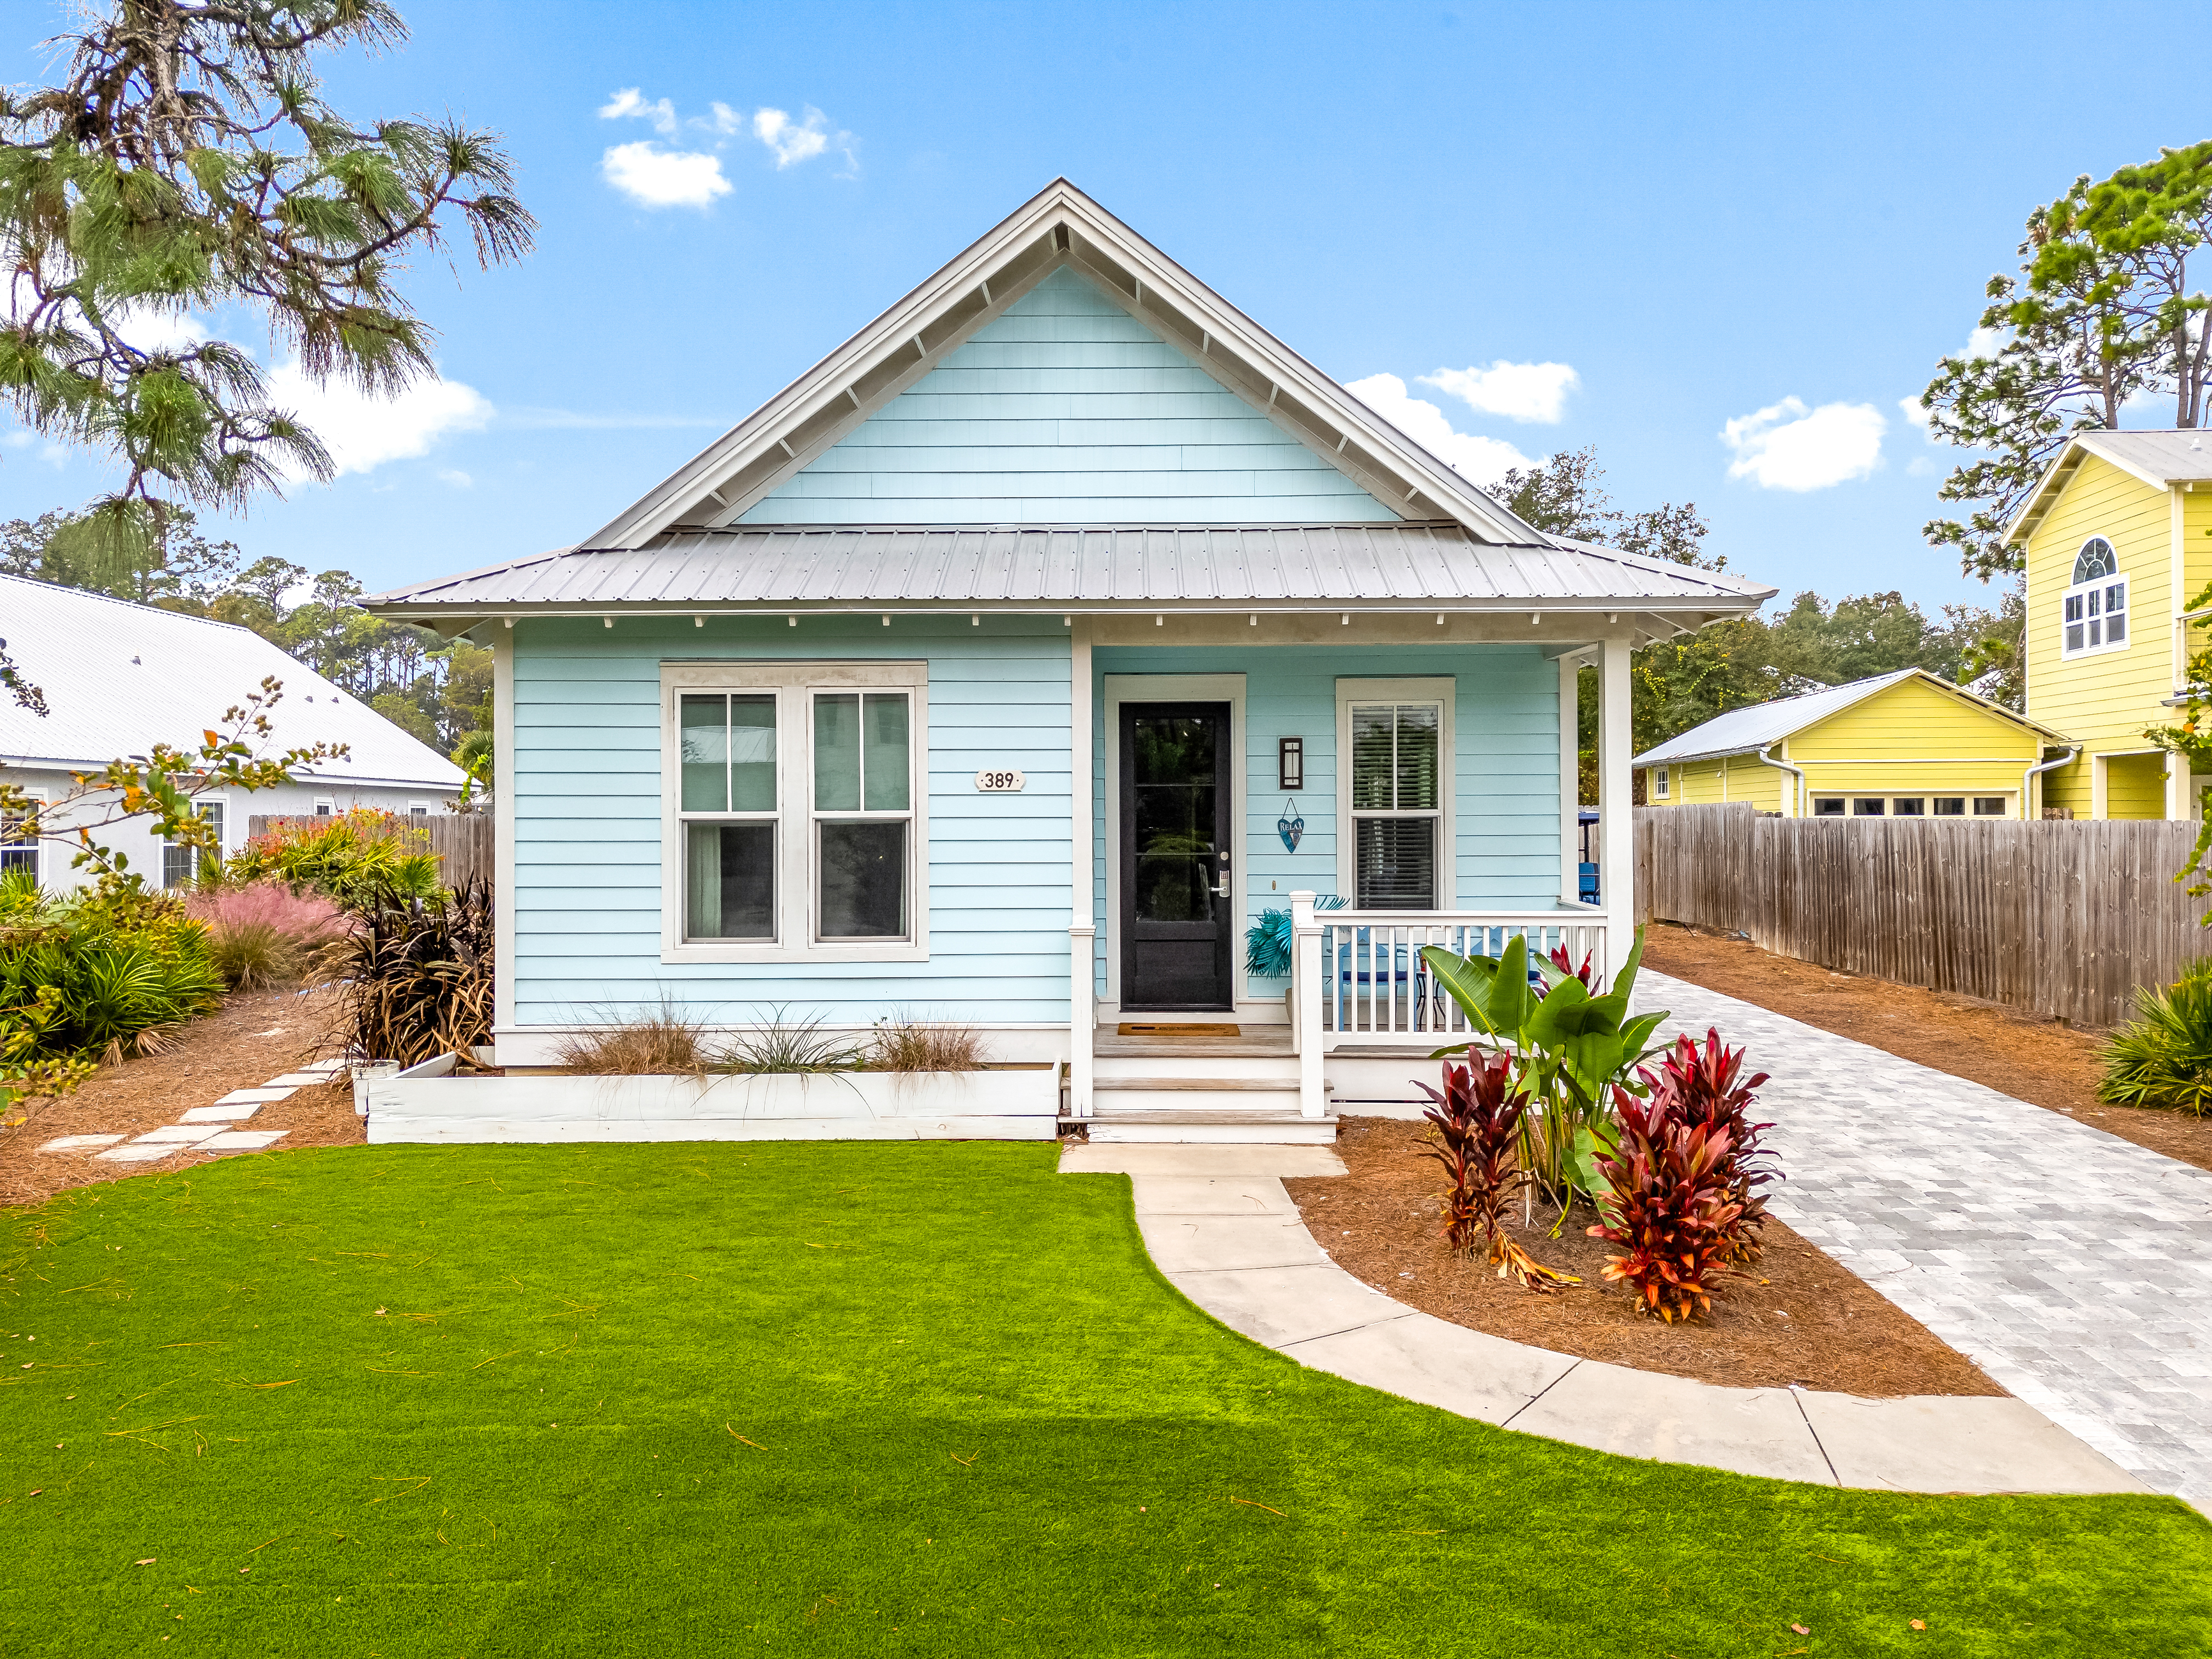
(2117, 539)
(1906, 744)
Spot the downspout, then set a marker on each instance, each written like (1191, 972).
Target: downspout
(2028, 777)
(1797, 772)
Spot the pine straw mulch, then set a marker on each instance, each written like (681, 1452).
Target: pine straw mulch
(2025, 1055)
(255, 1035)
(1799, 1318)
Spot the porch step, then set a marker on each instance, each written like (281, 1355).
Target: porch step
(1200, 1084)
(1202, 1128)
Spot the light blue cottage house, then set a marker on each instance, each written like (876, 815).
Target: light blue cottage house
(1009, 664)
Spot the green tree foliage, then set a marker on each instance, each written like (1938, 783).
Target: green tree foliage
(2101, 312)
(188, 164)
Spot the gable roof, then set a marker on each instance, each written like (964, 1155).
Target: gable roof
(1090, 568)
(120, 677)
(1060, 227)
(1744, 731)
(2160, 460)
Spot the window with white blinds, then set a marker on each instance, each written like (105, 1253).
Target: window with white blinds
(1398, 790)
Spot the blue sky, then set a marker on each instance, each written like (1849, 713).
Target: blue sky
(1752, 220)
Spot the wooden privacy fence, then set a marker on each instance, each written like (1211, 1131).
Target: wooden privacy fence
(2064, 918)
(462, 840)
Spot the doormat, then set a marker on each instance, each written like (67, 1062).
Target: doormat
(1134, 1028)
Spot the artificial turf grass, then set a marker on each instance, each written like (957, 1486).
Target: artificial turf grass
(984, 1424)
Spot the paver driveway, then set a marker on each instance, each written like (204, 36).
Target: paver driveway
(2074, 1267)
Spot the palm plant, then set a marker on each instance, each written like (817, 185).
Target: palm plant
(2163, 1056)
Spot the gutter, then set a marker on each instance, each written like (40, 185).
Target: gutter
(1796, 772)
(2072, 752)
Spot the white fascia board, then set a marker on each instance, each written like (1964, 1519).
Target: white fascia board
(1434, 484)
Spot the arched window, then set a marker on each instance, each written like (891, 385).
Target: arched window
(2093, 612)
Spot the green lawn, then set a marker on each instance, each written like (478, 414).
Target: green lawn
(827, 1399)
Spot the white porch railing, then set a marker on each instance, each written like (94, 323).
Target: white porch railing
(1357, 978)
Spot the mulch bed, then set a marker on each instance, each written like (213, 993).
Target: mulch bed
(1799, 1318)
(256, 1035)
(2025, 1055)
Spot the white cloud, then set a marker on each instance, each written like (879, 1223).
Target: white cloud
(161, 331)
(1520, 391)
(1786, 445)
(629, 103)
(1480, 460)
(455, 477)
(656, 177)
(791, 141)
(1916, 413)
(1984, 342)
(361, 432)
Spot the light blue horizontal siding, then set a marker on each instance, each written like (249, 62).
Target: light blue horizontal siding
(1506, 841)
(585, 779)
(1062, 409)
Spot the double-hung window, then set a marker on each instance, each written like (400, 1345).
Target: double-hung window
(1398, 788)
(181, 863)
(795, 832)
(19, 847)
(2093, 611)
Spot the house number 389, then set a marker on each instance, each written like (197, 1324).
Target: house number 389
(999, 782)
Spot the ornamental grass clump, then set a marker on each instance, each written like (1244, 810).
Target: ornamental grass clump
(1478, 1121)
(266, 933)
(417, 976)
(917, 1045)
(662, 1043)
(2163, 1058)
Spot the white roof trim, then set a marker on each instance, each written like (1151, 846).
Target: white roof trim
(2060, 473)
(1060, 225)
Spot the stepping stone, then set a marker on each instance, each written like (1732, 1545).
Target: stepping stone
(324, 1068)
(254, 1097)
(220, 1114)
(298, 1081)
(137, 1152)
(176, 1132)
(79, 1143)
(241, 1140)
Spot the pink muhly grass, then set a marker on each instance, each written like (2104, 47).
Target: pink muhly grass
(265, 933)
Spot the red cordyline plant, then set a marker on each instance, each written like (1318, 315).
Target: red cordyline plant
(1478, 1121)
(1562, 959)
(1705, 1084)
(1667, 1205)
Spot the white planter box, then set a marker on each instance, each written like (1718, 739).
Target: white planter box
(1001, 1105)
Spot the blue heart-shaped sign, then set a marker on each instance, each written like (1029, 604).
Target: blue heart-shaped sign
(1290, 830)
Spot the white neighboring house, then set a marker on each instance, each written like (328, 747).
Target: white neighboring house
(120, 677)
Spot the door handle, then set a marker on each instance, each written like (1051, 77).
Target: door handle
(1222, 889)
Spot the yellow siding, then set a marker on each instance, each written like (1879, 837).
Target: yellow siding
(1731, 778)
(1915, 721)
(2106, 700)
(2135, 786)
(1880, 778)
(2196, 547)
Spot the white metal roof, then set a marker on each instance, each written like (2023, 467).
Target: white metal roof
(120, 677)
(1102, 568)
(1060, 225)
(2159, 459)
(1743, 731)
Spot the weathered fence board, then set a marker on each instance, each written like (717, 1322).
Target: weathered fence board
(2064, 918)
(462, 840)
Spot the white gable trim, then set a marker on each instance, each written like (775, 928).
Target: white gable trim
(1061, 226)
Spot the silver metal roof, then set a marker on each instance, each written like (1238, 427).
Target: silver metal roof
(1741, 730)
(1356, 566)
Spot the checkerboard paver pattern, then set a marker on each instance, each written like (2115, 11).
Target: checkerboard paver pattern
(2073, 1266)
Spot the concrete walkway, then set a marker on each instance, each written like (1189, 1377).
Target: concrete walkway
(2073, 1266)
(1219, 1224)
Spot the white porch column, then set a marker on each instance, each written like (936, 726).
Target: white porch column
(1616, 870)
(1083, 930)
(2177, 785)
(1569, 782)
(1305, 1002)
(505, 777)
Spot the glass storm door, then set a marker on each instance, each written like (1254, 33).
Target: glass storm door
(1177, 928)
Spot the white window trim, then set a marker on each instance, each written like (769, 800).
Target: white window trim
(793, 683)
(223, 839)
(42, 799)
(1659, 780)
(2118, 579)
(1438, 689)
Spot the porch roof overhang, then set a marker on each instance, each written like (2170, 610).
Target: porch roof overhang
(1091, 570)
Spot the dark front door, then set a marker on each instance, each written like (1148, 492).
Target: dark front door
(1178, 925)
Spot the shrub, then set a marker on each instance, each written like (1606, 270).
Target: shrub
(785, 1045)
(417, 975)
(361, 859)
(2164, 1057)
(1706, 1085)
(1268, 940)
(1478, 1119)
(93, 977)
(1666, 1203)
(910, 1045)
(661, 1043)
(266, 933)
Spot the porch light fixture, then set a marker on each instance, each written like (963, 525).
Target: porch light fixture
(1346, 619)
(792, 621)
(1535, 617)
(887, 622)
(975, 622)
(1289, 764)
(609, 621)
(1159, 622)
(698, 622)
(1254, 621)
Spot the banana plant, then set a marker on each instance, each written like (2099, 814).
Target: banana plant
(1570, 1050)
